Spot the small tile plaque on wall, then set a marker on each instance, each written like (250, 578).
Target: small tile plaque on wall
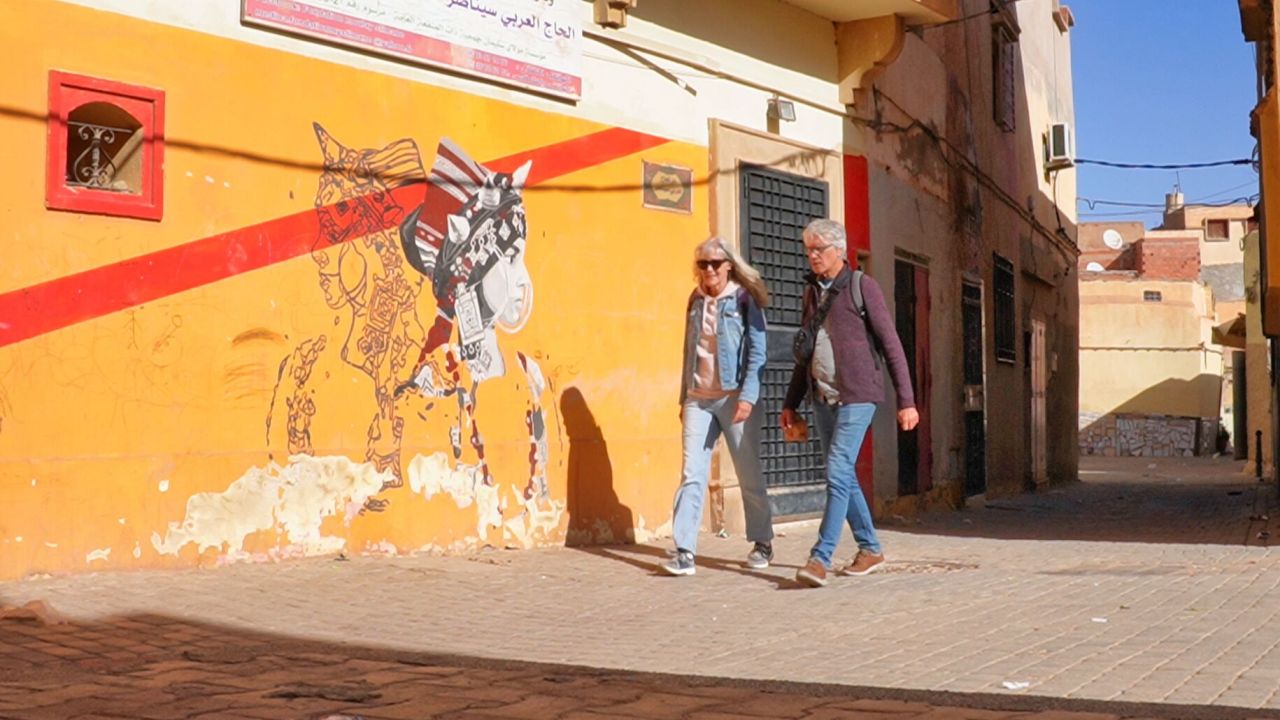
(668, 187)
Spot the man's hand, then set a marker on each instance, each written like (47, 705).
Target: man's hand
(789, 417)
(908, 418)
(743, 412)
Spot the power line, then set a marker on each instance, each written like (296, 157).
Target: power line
(956, 158)
(1251, 183)
(1135, 213)
(995, 9)
(1174, 166)
(1094, 202)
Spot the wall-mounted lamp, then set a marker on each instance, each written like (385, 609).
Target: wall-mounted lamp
(780, 109)
(613, 13)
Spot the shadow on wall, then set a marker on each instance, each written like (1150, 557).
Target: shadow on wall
(596, 516)
(1161, 421)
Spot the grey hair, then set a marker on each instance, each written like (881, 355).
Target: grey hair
(740, 271)
(830, 231)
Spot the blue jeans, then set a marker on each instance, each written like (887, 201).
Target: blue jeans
(704, 421)
(842, 429)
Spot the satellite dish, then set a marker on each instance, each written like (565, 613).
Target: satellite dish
(1094, 267)
(1112, 239)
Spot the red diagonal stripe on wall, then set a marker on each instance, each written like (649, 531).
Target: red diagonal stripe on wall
(56, 304)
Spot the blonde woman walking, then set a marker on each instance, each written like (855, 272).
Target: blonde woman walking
(724, 357)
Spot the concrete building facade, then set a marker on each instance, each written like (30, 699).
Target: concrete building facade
(319, 277)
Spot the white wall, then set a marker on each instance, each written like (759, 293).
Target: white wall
(617, 89)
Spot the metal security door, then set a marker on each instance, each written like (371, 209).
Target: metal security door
(904, 312)
(775, 208)
(975, 426)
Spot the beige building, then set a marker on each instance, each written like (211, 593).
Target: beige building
(1154, 379)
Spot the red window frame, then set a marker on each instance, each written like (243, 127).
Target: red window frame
(69, 91)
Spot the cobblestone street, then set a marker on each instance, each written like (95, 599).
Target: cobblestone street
(1148, 590)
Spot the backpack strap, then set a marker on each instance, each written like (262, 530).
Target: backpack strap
(856, 289)
(860, 306)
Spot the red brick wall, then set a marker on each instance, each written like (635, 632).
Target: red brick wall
(1168, 258)
(1094, 249)
(1109, 259)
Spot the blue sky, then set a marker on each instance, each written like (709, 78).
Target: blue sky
(1161, 81)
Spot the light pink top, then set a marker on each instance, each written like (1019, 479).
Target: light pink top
(706, 375)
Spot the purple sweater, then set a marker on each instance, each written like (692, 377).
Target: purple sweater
(857, 378)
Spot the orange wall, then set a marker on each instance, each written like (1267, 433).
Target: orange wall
(157, 435)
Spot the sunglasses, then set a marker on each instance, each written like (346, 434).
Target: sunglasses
(712, 264)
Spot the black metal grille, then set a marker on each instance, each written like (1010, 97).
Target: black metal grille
(975, 440)
(972, 314)
(1006, 322)
(784, 463)
(775, 209)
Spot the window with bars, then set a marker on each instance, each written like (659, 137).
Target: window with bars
(1006, 315)
(105, 151)
(1004, 67)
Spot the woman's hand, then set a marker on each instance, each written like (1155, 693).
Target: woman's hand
(789, 417)
(908, 418)
(743, 412)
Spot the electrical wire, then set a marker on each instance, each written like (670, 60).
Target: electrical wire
(953, 156)
(1251, 183)
(995, 9)
(1093, 203)
(1174, 166)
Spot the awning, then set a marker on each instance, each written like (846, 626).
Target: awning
(1231, 333)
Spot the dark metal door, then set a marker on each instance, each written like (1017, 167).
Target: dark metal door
(911, 314)
(775, 208)
(975, 438)
(904, 301)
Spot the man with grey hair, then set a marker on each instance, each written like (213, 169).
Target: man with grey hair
(845, 330)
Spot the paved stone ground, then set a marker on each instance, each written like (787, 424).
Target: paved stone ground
(1148, 590)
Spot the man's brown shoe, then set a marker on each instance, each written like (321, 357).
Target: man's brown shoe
(813, 574)
(863, 563)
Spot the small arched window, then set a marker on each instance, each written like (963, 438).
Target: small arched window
(105, 147)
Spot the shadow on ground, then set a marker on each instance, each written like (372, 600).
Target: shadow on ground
(1145, 500)
(162, 668)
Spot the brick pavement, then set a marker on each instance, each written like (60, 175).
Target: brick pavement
(1139, 585)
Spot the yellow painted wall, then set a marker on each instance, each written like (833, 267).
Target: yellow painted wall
(141, 438)
(1257, 371)
(1148, 357)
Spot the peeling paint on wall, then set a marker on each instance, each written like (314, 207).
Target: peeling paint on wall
(294, 498)
(433, 475)
(539, 522)
(99, 554)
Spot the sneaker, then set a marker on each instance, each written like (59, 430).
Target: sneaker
(681, 564)
(813, 574)
(760, 556)
(863, 563)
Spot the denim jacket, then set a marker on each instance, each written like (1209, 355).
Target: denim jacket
(740, 344)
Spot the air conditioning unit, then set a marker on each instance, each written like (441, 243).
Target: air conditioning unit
(1059, 147)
